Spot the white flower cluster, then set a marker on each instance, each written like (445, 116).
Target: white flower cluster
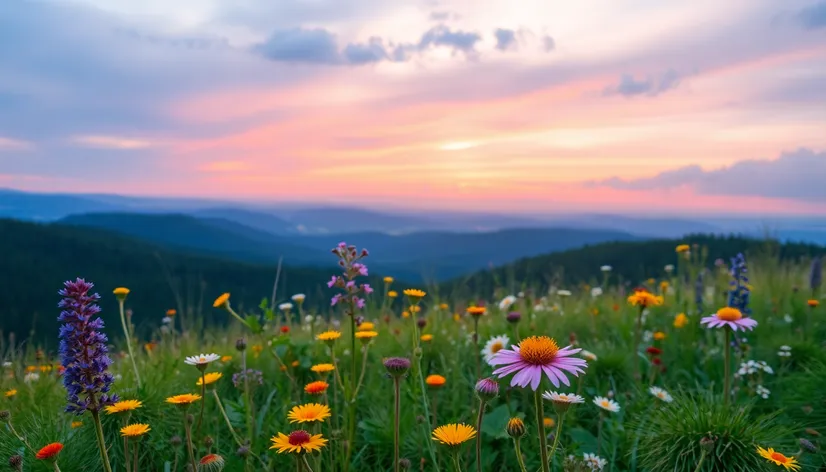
(785, 351)
(753, 367)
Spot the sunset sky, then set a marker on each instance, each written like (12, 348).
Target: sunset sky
(521, 106)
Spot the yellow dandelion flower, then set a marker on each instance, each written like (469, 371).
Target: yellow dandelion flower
(123, 406)
(454, 434)
(789, 463)
(135, 430)
(297, 442)
(209, 378)
(308, 413)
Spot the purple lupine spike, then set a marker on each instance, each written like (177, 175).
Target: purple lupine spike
(83, 351)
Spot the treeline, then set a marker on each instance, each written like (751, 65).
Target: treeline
(36, 259)
(633, 262)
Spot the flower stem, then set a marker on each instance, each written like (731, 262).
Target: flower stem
(543, 445)
(518, 451)
(129, 343)
(104, 456)
(479, 435)
(727, 380)
(396, 415)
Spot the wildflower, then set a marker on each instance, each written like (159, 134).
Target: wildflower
(123, 406)
(183, 400)
(607, 404)
(366, 326)
(316, 388)
(297, 442)
(328, 337)
(76, 424)
(323, 368)
(454, 435)
(594, 461)
(494, 345)
(535, 355)
(435, 381)
(397, 366)
(366, 336)
(222, 301)
(789, 463)
(308, 413)
(661, 394)
(813, 303)
(682, 248)
(83, 350)
(507, 302)
(562, 401)
(414, 295)
(134, 430)
(487, 389)
(427, 338)
(211, 463)
(680, 321)
(209, 378)
(645, 299)
(516, 428)
(10, 392)
(201, 360)
(588, 355)
(298, 298)
(49, 452)
(476, 310)
(659, 336)
(730, 317)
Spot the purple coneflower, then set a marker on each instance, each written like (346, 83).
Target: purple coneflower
(731, 317)
(535, 355)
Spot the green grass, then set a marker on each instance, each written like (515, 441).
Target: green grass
(646, 435)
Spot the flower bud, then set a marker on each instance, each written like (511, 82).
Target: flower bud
(515, 428)
(487, 389)
(397, 366)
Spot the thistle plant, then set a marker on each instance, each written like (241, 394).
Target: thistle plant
(83, 354)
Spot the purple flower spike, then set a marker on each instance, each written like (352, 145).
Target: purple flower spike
(83, 351)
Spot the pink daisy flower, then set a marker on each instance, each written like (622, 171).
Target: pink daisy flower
(535, 355)
(731, 317)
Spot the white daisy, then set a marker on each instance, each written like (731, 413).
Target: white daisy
(285, 306)
(202, 359)
(588, 355)
(299, 298)
(661, 394)
(594, 461)
(507, 302)
(494, 345)
(606, 404)
(557, 397)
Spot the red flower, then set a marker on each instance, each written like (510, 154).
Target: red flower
(654, 351)
(285, 329)
(50, 451)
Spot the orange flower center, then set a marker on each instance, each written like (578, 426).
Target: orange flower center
(538, 350)
(298, 438)
(496, 347)
(729, 314)
(779, 457)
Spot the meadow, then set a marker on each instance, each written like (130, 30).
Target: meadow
(705, 366)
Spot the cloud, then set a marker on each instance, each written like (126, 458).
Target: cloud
(505, 39)
(628, 86)
(796, 175)
(813, 16)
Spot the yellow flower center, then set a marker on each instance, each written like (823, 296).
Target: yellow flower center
(538, 350)
(729, 314)
(779, 457)
(496, 347)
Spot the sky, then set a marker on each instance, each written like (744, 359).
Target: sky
(659, 106)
